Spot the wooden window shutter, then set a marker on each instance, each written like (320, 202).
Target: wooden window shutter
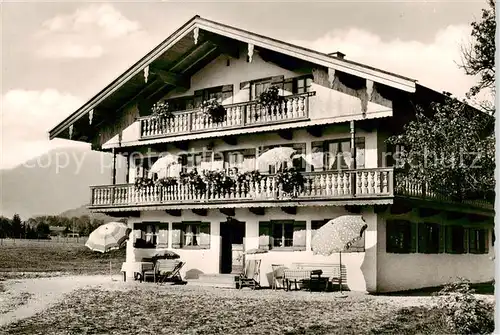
(466, 241)
(448, 238)
(299, 235)
(264, 235)
(177, 235)
(245, 90)
(422, 237)
(162, 240)
(205, 235)
(486, 241)
(442, 239)
(413, 236)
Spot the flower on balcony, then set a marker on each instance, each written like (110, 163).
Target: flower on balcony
(271, 99)
(214, 110)
(167, 181)
(220, 181)
(193, 179)
(291, 181)
(162, 111)
(143, 182)
(248, 178)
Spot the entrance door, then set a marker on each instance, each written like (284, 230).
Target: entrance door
(232, 249)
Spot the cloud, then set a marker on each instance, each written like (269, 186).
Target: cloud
(433, 64)
(95, 17)
(86, 33)
(26, 117)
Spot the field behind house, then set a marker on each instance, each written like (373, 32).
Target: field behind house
(45, 256)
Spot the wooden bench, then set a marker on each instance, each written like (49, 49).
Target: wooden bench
(334, 273)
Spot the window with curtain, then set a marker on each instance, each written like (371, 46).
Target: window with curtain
(297, 160)
(478, 241)
(199, 160)
(336, 154)
(243, 160)
(192, 235)
(287, 86)
(282, 234)
(401, 236)
(150, 234)
(358, 246)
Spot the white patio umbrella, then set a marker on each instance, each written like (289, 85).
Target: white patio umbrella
(276, 156)
(337, 235)
(107, 237)
(163, 163)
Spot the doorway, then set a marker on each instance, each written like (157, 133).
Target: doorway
(232, 249)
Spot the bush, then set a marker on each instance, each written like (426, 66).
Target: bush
(464, 313)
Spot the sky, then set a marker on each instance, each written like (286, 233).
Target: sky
(57, 55)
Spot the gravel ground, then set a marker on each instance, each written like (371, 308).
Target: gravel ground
(103, 305)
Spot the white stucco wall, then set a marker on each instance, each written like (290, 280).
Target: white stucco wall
(327, 104)
(361, 273)
(332, 132)
(397, 272)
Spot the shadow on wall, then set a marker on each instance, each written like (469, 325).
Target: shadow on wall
(369, 269)
(193, 274)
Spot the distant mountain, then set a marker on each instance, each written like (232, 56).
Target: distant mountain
(83, 210)
(55, 182)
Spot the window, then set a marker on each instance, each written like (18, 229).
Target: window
(455, 237)
(243, 160)
(282, 234)
(199, 160)
(223, 94)
(150, 235)
(358, 246)
(193, 235)
(287, 86)
(478, 241)
(142, 166)
(336, 155)
(298, 160)
(429, 238)
(401, 236)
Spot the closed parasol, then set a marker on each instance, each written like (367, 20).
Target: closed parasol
(337, 235)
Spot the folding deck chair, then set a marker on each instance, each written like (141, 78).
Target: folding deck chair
(251, 276)
(169, 271)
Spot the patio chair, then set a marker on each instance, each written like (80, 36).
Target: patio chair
(278, 275)
(169, 271)
(251, 276)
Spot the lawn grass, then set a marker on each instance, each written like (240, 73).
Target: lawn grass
(153, 309)
(71, 258)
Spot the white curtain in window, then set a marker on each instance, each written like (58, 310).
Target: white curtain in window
(332, 157)
(189, 235)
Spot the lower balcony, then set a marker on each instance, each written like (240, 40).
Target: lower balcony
(349, 187)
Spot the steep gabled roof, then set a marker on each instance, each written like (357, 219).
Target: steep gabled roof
(201, 24)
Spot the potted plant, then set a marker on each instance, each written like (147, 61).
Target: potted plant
(167, 181)
(162, 113)
(271, 99)
(291, 181)
(194, 180)
(215, 111)
(221, 181)
(143, 182)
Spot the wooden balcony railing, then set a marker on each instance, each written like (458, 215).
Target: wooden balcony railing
(412, 189)
(245, 114)
(318, 186)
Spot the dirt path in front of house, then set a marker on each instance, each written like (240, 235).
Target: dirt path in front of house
(22, 298)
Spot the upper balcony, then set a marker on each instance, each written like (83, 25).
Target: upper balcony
(240, 115)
